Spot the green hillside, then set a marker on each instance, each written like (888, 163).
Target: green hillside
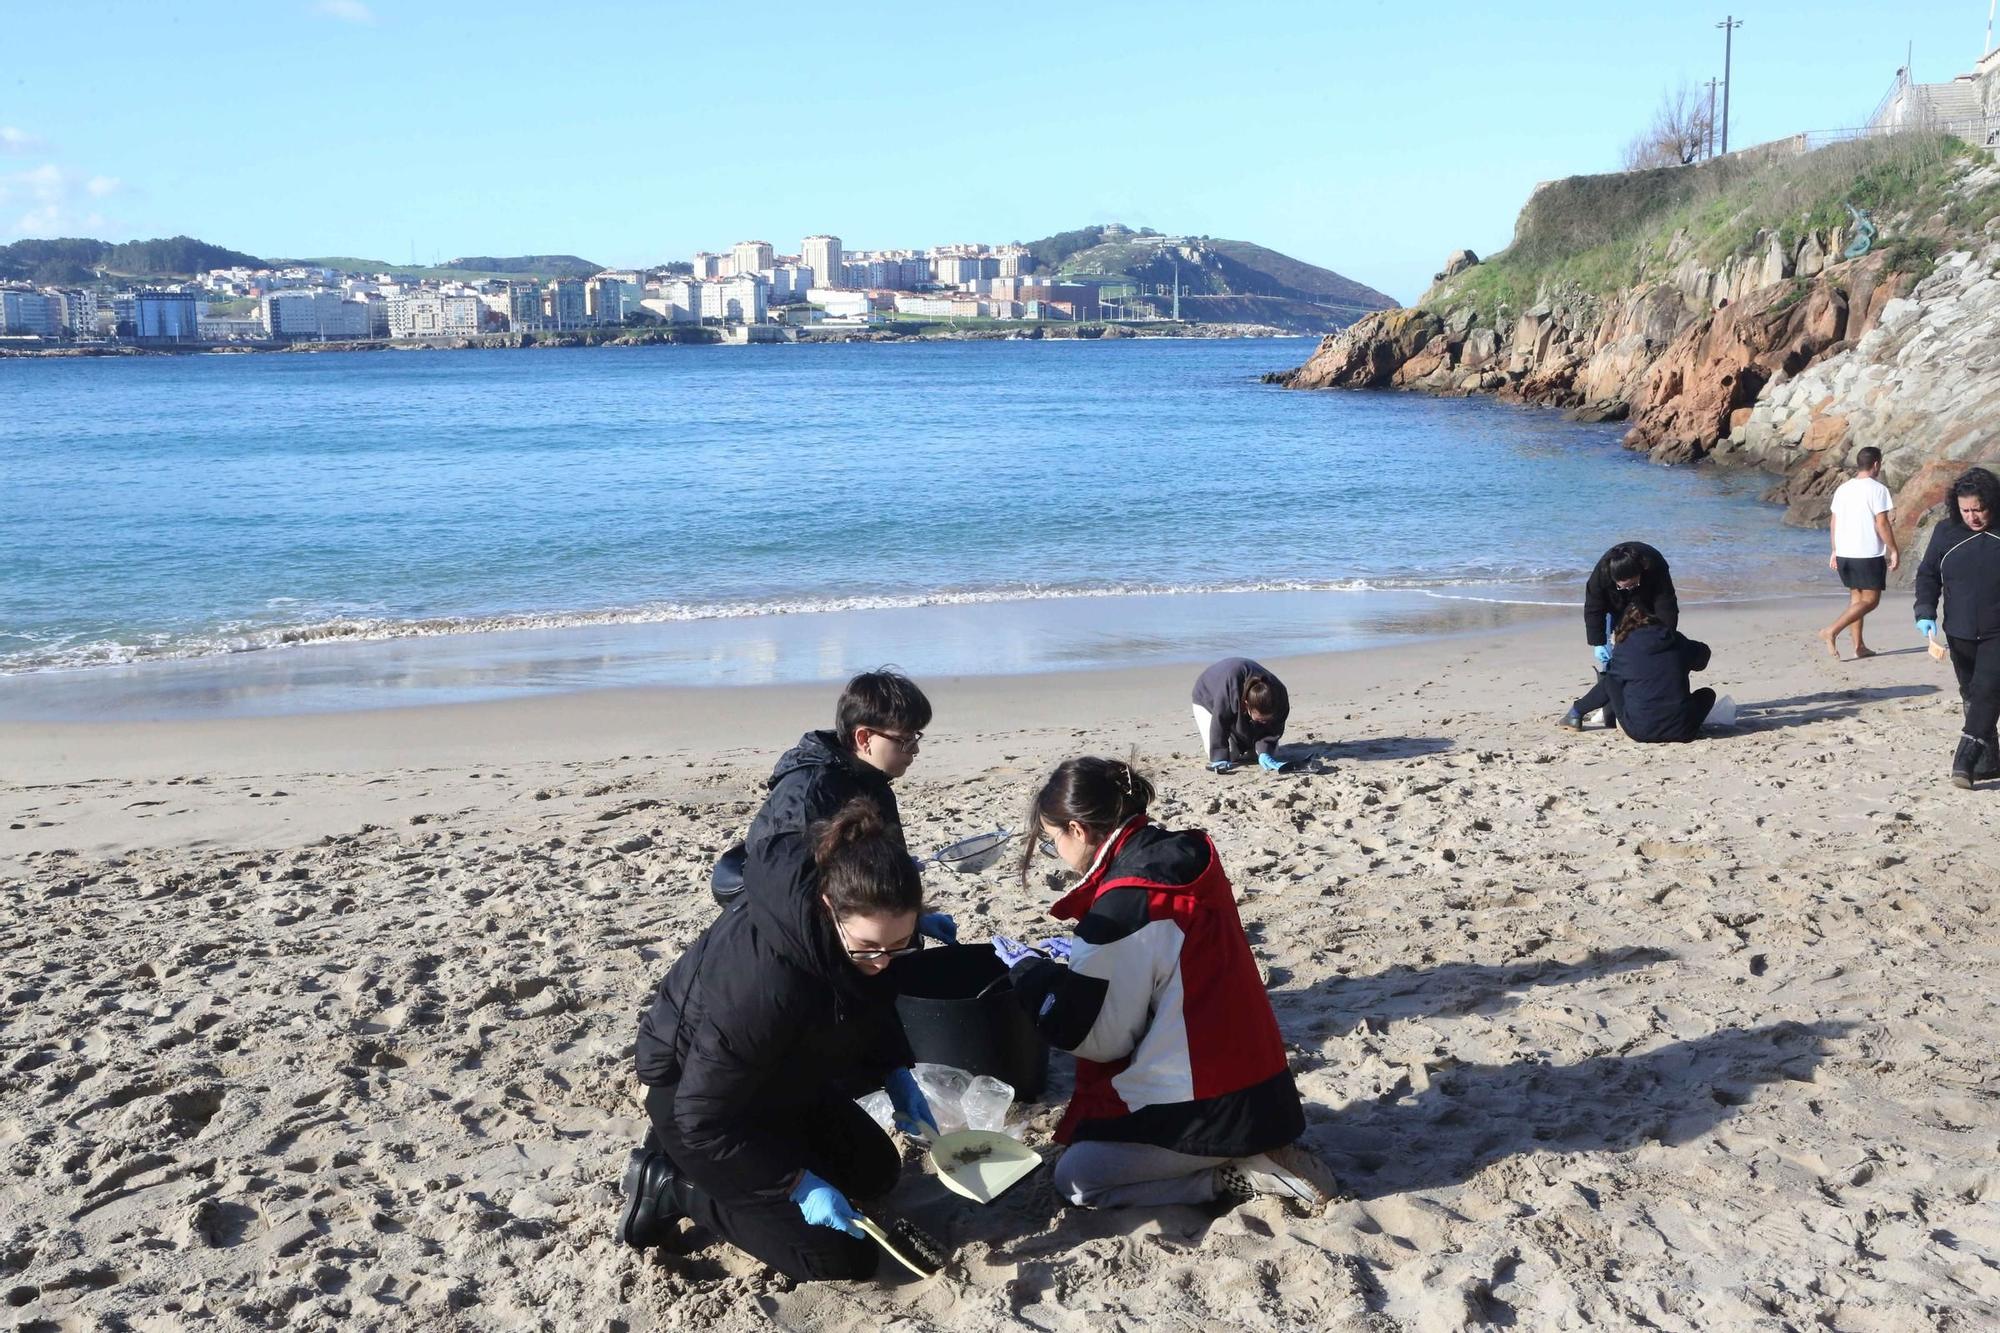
(69, 260)
(1263, 285)
(471, 268)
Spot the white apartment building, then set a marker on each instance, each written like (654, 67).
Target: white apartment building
(788, 282)
(524, 306)
(433, 315)
(677, 300)
(314, 314)
(604, 300)
(564, 305)
(751, 257)
(707, 265)
(744, 299)
(821, 254)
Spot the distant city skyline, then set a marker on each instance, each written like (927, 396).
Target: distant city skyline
(1362, 138)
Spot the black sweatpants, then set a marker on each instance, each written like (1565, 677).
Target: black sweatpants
(1598, 696)
(1687, 726)
(1977, 662)
(837, 1142)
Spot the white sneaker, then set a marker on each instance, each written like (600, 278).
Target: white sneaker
(1291, 1173)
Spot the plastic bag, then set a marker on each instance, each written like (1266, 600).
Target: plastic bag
(944, 1088)
(1723, 714)
(986, 1103)
(879, 1109)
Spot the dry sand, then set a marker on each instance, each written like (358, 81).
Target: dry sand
(326, 1021)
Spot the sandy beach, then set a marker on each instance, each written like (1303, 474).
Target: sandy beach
(325, 1021)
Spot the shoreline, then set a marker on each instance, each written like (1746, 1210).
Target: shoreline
(1025, 639)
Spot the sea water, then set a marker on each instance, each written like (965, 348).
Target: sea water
(357, 528)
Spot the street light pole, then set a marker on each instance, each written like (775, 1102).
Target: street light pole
(1713, 84)
(1729, 25)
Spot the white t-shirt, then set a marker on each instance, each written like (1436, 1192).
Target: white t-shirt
(1855, 505)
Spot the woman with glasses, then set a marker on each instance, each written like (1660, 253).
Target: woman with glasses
(753, 1048)
(1183, 1092)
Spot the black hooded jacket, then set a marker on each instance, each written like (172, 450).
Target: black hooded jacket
(1648, 681)
(1964, 566)
(1232, 734)
(1602, 596)
(762, 1019)
(811, 782)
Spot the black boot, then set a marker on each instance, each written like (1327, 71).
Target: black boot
(1989, 762)
(650, 1213)
(1965, 762)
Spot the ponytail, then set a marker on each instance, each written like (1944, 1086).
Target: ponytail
(1101, 795)
(864, 868)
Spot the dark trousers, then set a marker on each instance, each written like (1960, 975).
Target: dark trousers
(1687, 726)
(1977, 662)
(1598, 697)
(837, 1142)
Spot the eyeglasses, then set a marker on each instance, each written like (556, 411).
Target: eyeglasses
(876, 955)
(909, 742)
(1627, 586)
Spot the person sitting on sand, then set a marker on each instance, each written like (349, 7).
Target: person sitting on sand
(1648, 679)
(1183, 1093)
(1864, 547)
(750, 1053)
(1630, 573)
(1240, 710)
(878, 727)
(1963, 563)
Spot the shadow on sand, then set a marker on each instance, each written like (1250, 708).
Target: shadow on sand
(1447, 989)
(1376, 747)
(1801, 710)
(1473, 1115)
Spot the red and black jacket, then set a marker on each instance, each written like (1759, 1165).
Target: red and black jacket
(1163, 1005)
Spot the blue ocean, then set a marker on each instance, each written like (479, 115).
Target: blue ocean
(728, 500)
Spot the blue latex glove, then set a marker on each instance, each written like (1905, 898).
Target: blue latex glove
(1013, 951)
(1602, 652)
(1058, 948)
(938, 926)
(824, 1206)
(913, 1109)
(1927, 628)
(1269, 763)
(1220, 766)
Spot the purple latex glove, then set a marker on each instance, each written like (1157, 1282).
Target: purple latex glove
(1058, 948)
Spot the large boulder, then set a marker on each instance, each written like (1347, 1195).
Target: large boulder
(1460, 261)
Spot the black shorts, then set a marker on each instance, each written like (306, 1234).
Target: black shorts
(1863, 575)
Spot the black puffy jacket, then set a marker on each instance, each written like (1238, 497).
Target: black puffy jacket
(1648, 681)
(761, 1019)
(1965, 566)
(811, 782)
(1603, 597)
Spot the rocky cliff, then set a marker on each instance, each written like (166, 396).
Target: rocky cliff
(1783, 356)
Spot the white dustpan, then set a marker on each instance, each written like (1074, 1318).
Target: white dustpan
(982, 1163)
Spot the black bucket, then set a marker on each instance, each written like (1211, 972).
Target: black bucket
(948, 1022)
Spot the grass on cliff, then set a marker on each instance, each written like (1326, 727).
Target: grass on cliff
(1579, 240)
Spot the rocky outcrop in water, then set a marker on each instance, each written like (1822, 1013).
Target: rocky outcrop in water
(1786, 359)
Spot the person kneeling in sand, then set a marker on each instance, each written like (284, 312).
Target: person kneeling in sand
(1629, 574)
(1240, 710)
(1183, 1093)
(1648, 679)
(751, 1051)
(1864, 547)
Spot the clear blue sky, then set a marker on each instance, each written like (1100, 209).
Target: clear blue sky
(1369, 136)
